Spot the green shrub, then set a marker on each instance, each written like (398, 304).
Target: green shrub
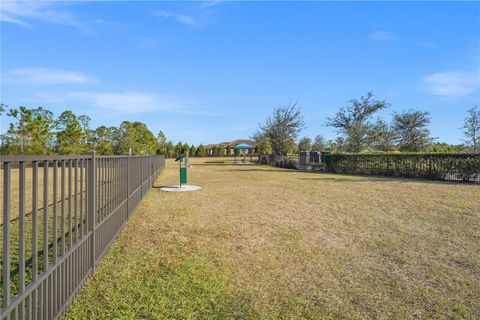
(436, 166)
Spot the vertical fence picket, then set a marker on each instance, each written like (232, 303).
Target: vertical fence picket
(44, 293)
(127, 187)
(104, 193)
(54, 210)
(117, 181)
(34, 219)
(75, 191)
(109, 185)
(100, 188)
(105, 187)
(21, 233)
(141, 178)
(70, 240)
(6, 235)
(91, 188)
(81, 199)
(34, 234)
(45, 215)
(62, 206)
(89, 200)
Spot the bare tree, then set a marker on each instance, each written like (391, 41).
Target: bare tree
(353, 121)
(471, 128)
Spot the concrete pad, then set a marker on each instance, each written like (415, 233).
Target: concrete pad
(183, 188)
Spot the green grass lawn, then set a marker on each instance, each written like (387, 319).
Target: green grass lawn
(264, 243)
(72, 207)
(14, 225)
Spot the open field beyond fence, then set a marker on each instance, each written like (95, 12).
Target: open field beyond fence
(265, 243)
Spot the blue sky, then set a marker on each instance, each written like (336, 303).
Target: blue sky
(212, 71)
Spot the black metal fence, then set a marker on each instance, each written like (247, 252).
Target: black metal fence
(434, 166)
(281, 161)
(451, 167)
(60, 215)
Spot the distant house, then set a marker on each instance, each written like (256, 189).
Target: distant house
(227, 147)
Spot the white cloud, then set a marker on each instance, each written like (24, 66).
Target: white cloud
(383, 36)
(126, 102)
(121, 102)
(100, 21)
(453, 83)
(47, 76)
(19, 12)
(182, 18)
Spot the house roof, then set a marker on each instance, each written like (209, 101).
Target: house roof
(232, 143)
(243, 146)
(242, 141)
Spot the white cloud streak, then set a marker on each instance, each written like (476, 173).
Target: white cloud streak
(47, 76)
(382, 36)
(453, 83)
(21, 12)
(182, 18)
(128, 102)
(122, 102)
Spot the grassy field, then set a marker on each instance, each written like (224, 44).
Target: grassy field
(264, 243)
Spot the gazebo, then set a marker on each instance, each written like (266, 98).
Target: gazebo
(243, 146)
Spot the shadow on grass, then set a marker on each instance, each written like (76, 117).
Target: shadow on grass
(327, 176)
(274, 170)
(211, 164)
(364, 178)
(336, 179)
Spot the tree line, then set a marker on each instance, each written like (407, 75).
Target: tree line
(37, 131)
(357, 132)
(34, 131)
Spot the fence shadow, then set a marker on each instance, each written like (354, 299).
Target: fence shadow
(328, 176)
(275, 170)
(359, 179)
(211, 164)
(366, 178)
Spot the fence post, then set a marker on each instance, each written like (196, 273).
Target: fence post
(141, 177)
(6, 235)
(430, 175)
(92, 204)
(128, 186)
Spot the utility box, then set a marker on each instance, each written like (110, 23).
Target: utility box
(314, 157)
(304, 158)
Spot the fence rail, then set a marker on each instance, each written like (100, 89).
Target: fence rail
(60, 215)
